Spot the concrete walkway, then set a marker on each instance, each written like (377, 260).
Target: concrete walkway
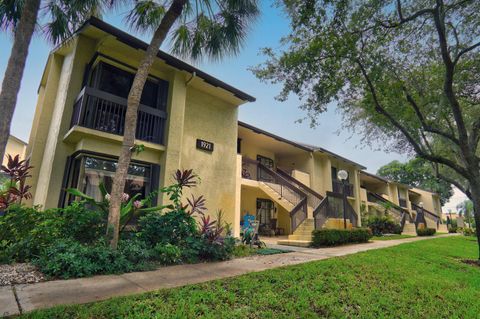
(24, 298)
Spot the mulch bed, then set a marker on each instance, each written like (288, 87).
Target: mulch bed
(23, 273)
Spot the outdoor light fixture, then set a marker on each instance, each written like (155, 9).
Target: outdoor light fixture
(342, 175)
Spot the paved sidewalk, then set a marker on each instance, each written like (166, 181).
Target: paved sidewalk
(51, 293)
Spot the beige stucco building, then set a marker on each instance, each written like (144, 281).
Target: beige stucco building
(15, 146)
(187, 119)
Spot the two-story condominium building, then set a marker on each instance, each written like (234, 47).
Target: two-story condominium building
(187, 120)
(80, 114)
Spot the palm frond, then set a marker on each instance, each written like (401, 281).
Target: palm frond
(213, 29)
(10, 12)
(146, 15)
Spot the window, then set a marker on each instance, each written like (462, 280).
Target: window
(87, 172)
(113, 80)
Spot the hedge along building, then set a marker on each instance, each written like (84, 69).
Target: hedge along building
(187, 119)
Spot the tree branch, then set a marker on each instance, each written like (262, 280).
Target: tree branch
(426, 127)
(418, 149)
(466, 50)
(448, 83)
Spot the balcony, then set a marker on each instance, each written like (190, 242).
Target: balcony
(337, 187)
(402, 202)
(105, 112)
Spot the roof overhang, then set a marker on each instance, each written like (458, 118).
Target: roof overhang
(170, 60)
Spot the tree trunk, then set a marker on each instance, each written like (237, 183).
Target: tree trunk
(14, 72)
(133, 102)
(475, 197)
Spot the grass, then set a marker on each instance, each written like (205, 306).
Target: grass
(391, 237)
(424, 279)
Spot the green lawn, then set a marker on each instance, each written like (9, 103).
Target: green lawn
(424, 279)
(391, 237)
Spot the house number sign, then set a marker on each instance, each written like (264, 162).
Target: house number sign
(204, 145)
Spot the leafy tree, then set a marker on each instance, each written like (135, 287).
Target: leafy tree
(403, 72)
(199, 28)
(21, 18)
(418, 173)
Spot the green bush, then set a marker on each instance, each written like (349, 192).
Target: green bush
(71, 259)
(426, 231)
(383, 225)
(167, 254)
(83, 224)
(170, 228)
(25, 232)
(452, 229)
(135, 251)
(469, 232)
(335, 237)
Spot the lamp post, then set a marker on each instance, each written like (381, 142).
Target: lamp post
(422, 215)
(342, 176)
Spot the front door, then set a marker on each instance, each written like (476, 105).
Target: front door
(264, 212)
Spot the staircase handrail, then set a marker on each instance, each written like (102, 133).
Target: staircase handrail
(300, 210)
(313, 198)
(383, 199)
(416, 207)
(299, 184)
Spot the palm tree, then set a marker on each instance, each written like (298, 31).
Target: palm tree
(211, 28)
(20, 17)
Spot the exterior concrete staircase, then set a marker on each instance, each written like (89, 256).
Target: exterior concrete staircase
(275, 196)
(409, 229)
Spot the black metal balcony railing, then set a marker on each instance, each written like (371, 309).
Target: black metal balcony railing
(402, 202)
(337, 187)
(105, 112)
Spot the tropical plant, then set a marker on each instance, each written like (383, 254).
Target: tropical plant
(14, 188)
(60, 19)
(130, 208)
(199, 28)
(404, 73)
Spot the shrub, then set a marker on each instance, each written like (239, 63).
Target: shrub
(25, 232)
(83, 224)
(167, 254)
(335, 237)
(69, 259)
(426, 231)
(383, 225)
(469, 232)
(452, 229)
(135, 251)
(170, 228)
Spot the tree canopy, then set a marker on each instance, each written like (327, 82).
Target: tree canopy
(417, 173)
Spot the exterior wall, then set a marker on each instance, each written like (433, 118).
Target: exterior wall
(55, 151)
(192, 113)
(250, 150)
(14, 147)
(213, 120)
